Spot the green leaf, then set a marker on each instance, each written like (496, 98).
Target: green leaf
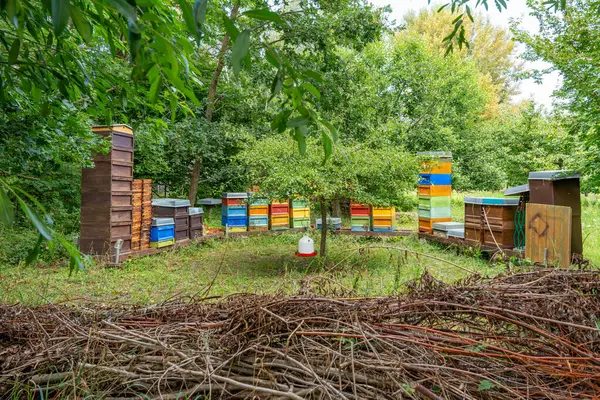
(7, 210)
(32, 215)
(230, 28)
(310, 87)
(239, 51)
(60, 14)
(124, 8)
(13, 54)
(188, 16)
(485, 385)
(135, 41)
(199, 14)
(298, 121)
(300, 137)
(264, 14)
(11, 12)
(313, 74)
(74, 254)
(327, 146)
(332, 130)
(154, 87)
(276, 85)
(33, 254)
(273, 58)
(82, 25)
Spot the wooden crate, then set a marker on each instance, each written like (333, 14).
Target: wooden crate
(548, 234)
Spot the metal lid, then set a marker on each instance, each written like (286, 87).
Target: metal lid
(235, 195)
(554, 175)
(496, 201)
(517, 190)
(162, 221)
(447, 226)
(196, 210)
(332, 221)
(209, 202)
(171, 202)
(441, 154)
(457, 233)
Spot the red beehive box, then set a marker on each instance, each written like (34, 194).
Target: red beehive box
(361, 210)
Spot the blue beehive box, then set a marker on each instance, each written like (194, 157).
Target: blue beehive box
(234, 220)
(435, 179)
(162, 229)
(235, 211)
(258, 221)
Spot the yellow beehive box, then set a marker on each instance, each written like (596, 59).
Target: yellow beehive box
(259, 210)
(434, 167)
(435, 190)
(383, 222)
(279, 219)
(299, 213)
(388, 212)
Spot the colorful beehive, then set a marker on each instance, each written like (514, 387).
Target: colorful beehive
(490, 221)
(178, 209)
(333, 224)
(435, 189)
(234, 211)
(106, 195)
(279, 216)
(162, 232)
(299, 213)
(360, 217)
(136, 229)
(384, 219)
(258, 213)
(196, 222)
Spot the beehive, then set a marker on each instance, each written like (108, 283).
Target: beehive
(196, 222)
(136, 235)
(106, 195)
(234, 211)
(435, 189)
(258, 210)
(178, 209)
(299, 213)
(360, 217)
(146, 213)
(384, 219)
(490, 221)
(279, 216)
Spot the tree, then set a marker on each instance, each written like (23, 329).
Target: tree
(569, 41)
(371, 175)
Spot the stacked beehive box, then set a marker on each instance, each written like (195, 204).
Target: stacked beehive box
(258, 210)
(146, 213)
(235, 211)
(360, 217)
(279, 216)
(384, 219)
(490, 221)
(136, 230)
(178, 209)
(196, 222)
(435, 189)
(162, 232)
(106, 195)
(299, 213)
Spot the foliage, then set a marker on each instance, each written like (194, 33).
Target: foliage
(569, 41)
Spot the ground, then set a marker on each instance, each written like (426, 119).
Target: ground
(266, 265)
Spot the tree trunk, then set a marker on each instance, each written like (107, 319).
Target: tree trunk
(211, 101)
(194, 182)
(337, 208)
(323, 247)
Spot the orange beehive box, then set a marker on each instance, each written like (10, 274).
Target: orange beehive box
(426, 224)
(435, 190)
(434, 167)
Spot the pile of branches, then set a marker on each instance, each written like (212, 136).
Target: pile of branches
(528, 335)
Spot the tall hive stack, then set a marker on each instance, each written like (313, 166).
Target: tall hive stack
(136, 229)
(234, 212)
(299, 213)
(435, 189)
(490, 221)
(279, 216)
(178, 209)
(360, 217)
(196, 222)
(258, 211)
(106, 195)
(146, 213)
(384, 219)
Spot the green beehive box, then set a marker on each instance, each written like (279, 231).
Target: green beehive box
(427, 202)
(299, 203)
(437, 212)
(300, 222)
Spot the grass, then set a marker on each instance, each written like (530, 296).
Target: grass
(262, 264)
(265, 264)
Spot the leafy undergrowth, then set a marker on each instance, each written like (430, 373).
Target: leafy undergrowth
(261, 265)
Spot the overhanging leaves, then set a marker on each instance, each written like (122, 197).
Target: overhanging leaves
(61, 9)
(239, 51)
(264, 15)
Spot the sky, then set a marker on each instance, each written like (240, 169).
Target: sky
(517, 9)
